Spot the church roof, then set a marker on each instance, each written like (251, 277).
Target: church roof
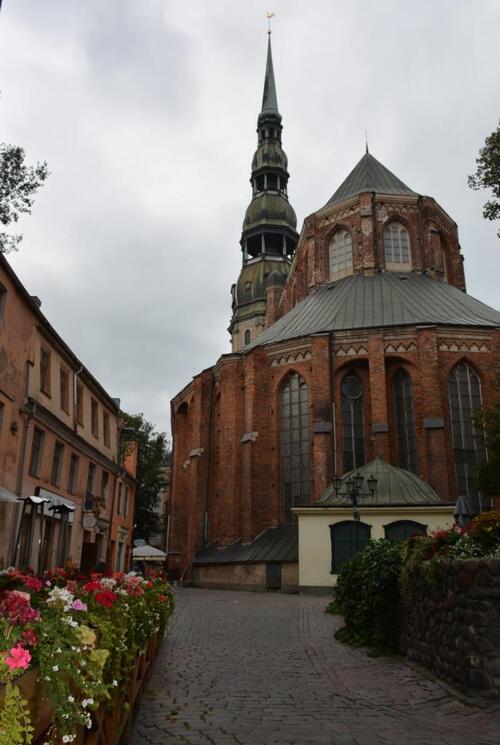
(395, 486)
(274, 544)
(379, 301)
(369, 175)
(269, 97)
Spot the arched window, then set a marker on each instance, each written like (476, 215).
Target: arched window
(397, 247)
(401, 530)
(464, 388)
(294, 444)
(405, 421)
(248, 336)
(340, 255)
(353, 421)
(347, 538)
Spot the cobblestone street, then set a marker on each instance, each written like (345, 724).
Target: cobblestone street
(242, 668)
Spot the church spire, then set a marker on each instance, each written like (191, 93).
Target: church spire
(269, 97)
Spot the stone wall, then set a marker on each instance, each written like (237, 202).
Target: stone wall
(453, 625)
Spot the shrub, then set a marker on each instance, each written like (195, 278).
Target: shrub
(367, 596)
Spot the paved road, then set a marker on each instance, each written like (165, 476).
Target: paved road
(243, 668)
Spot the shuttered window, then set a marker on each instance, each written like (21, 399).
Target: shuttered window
(401, 530)
(347, 538)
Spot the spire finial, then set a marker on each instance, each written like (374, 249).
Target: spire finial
(366, 140)
(269, 15)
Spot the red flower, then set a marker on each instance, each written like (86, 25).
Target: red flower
(30, 637)
(16, 606)
(106, 598)
(162, 598)
(32, 583)
(91, 586)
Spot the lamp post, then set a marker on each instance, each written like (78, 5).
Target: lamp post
(353, 489)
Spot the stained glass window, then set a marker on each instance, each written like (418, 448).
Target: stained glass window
(464, 389)
(294, 444)
(405, 421)
(340, 255)
(353, 422)
(397, 247)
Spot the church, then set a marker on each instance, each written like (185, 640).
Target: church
(357, 359)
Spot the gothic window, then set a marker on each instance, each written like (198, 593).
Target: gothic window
(352, 422)
(347, 538)
(248, 336)
(294, 444)
(397, 247)
(405, 421)
(340, 255)
(401, 530)
(464, 389)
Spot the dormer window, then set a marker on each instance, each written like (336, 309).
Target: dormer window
(397, 248)
(340, 255)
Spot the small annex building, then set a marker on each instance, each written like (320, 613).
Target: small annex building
(354, 345)
(330, 534)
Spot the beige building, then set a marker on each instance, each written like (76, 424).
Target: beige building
(61, 481)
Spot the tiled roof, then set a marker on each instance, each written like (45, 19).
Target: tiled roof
(275, 544)
(369, 175)
(379, 301)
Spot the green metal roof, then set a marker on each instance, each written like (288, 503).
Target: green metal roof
(256, 273)
(369, 175)
(379, 301)
(269, 97)
(395, 486)
(269, 208)
(274, 544)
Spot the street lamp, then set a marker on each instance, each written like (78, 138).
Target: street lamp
(353, 486)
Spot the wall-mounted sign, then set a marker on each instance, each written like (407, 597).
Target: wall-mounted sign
(89, 521)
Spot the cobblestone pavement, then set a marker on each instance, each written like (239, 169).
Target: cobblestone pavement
(240, 668)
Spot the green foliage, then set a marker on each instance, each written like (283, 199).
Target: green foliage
(15, 720)
(488, 474)
(153, 457)
(487, 174)
(367, 596)
(18, 185)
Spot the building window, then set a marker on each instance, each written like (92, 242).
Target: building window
(119, 557)
(45, 371)
(104, 487)
(105, 428)
(89, 496)
(79, 404)
(57, 460)
(64, 388)
(294, 444)
(353, 422)
(405, 421)
(397, 247)
(347, 539)
(464, 389)
(248, 336)
(125, 501)
(94, 417)
(36, 451)
(119, 499)
(401, 530)
(73, 473)
(340, 255)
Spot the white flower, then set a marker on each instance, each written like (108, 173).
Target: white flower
(59, 650)
(108, 582)
(71, 699)
(115, 682)
(55, 668)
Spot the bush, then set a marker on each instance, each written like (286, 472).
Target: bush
(367, 595)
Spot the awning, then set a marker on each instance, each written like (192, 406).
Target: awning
(7, 496)
(148, 553)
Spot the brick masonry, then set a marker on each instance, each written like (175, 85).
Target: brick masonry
(453, 625)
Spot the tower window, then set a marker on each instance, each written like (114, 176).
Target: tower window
(247, 291)
(464, 389)
(340, 255)
(353, 422)
(248, 336)
(405, 421)
(294, 444)
(397, 247)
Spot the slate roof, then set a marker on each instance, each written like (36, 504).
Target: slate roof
(275, 544)
(369, 175)
(395, 486)
(379, 301)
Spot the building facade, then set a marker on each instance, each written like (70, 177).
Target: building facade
(63, 492)
(370, 348)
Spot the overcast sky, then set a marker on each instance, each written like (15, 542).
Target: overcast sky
(146, 112)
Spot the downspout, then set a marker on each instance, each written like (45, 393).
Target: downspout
(333, 438)
(75, 375)
(28, 411)
(209, 459)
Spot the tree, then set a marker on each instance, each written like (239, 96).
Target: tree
(18, 186)
(153, 457)
(487, 174)
(488, 474)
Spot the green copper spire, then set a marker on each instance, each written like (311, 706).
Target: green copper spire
(269, 98)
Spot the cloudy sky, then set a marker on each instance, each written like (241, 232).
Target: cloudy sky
(146, 111)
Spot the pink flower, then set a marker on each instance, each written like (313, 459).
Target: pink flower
(18, 658)
(33, 583)
(78, 605)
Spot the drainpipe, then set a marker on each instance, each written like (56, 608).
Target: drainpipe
(28, 411)
(209, 459)
(332, 399)
(75, 375)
